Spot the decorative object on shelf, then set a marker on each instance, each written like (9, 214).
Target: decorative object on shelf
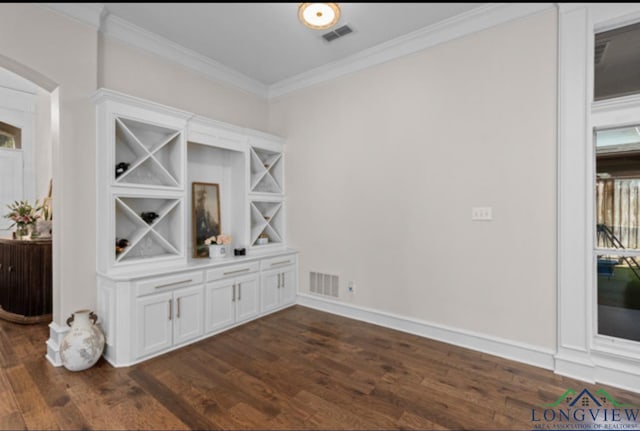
(121, 168)
(43, 228)
(217, 251)
(149, 216)
(239, 252)
(44, 224)
(83, 345)
(218, 245)
(121, 244)
(262, 239)
(205, 202)
(23, 215)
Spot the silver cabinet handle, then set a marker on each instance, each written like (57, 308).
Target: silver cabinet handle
(233, 299)
(237, 271)
(279, 280)
(282, 262)
(173, 284)
(170, 308)
(178, 316)
(239, 291)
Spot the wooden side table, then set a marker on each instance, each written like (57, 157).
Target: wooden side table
(25, 280)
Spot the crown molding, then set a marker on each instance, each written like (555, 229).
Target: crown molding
(125, 31)
(86, 13)
(475, 20)
(478, 19)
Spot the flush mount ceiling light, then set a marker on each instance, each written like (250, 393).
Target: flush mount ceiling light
(319, 16)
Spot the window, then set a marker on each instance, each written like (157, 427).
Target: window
(617, 183)
(617, 62)
(10, 136)
(618, 231)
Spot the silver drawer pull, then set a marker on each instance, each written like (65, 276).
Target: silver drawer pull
(237, 272)
(173, 284)
(282, 262)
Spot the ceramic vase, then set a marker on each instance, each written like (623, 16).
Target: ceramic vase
(82, 346)
(43, 228)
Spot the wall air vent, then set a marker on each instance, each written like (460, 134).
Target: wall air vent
(339, 32)
(600, 50)
(324, 284)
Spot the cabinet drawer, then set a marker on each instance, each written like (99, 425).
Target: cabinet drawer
(169, 282)
(232, 270)
(278, 262)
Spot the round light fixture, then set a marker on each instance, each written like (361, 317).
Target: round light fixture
(319, 16)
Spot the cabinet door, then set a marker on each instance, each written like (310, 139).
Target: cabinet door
(270, 291)
(288, 286)
(247, 297)
(154, 329)
(219, 305)
(5, 249)
(187, 322)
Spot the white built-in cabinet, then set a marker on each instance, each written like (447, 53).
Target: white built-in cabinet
(278, 283)
(153, 294)
(168, 319)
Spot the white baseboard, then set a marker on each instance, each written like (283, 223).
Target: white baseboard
(56, 334)
(575, 364)
(508, 349)
(598, 367)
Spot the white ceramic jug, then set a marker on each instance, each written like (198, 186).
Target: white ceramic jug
(82, 346)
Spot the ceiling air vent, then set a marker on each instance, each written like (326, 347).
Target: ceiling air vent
(600, 49)
(339, 32)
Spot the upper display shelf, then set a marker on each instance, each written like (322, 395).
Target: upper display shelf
(266, 171)
(146, 154)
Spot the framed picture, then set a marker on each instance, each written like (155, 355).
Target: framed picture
(205, 210)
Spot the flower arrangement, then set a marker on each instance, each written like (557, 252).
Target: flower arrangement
(23, 214)
(220, 240)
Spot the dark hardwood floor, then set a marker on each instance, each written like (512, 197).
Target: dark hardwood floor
(296, 369)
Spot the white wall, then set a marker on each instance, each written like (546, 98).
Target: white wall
(384, 165)
(60, 55)
(43, 143)
(139, 73)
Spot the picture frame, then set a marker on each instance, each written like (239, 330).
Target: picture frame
(205, 216)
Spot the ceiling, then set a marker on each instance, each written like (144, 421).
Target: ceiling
(265, 41)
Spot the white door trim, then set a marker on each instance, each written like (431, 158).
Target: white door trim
(579, 351)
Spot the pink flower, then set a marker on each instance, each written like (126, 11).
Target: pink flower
(220, 239)
(224, 239)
